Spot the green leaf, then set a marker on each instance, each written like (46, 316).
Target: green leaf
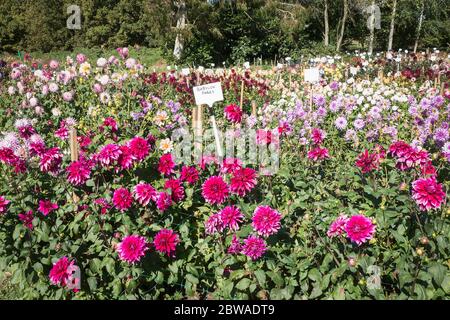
(243, 284)
(191, 278)
(437, 272)
(261, 277)
(92, 282)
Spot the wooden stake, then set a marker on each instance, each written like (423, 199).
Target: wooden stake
(253, 108)
(242, 94)
(73, 145)
(217, 139)
(442, 88)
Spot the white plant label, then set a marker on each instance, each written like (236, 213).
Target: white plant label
(185, 71)
(247, 65)
(353, 70)
(208, 93)
(312, 75)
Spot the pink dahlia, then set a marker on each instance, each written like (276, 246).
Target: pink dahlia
(61, 271)
(215, 190)
(317, 136)
(230, 165)
(318, 154)
(367, 161)
(166, 164)
(103, 204)
(132, 248)
(233, 113)
(428, 193)
(231, 216)
(126, 159)
(78, 172)
(337, 227)
(428, 169)
(176, 189)
(110, 122)
(243, 181)
(235, 246)
(189, 174)
(254, 247)
(139, 148)
(109, 154)
(360, 229)
(266, 221)
(166, 241)
(122, 199)
(3, 204)
(50, 160)
(214, 224)
(46, 206)
(62, 133)
(27, 219)
(144, 192)
(164, 201)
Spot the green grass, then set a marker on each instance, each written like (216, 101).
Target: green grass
(147, 56)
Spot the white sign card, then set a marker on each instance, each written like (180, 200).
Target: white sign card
(208, 93)
(247, 65)
(312, 75)
(353, 70)
(185, 71)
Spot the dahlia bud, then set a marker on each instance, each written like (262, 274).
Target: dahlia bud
(424, 240)
(420, 251)
(117, 235)
(403, 186)
(351, 262)
(306, 216)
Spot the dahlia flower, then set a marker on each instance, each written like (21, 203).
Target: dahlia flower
(163, 201)
(27, 219)
(337, 227)
(50, 160)
(61, 271)
(132, 248)
(189, 174)
(122, 199)
(46, 206)
(109, 154)
(359, 229)
(254, 247)
(235, 246)
(215, 190)
(231, 216)
(367, 161)
(139, 148)
(243, 181)
(266, 221)
(3, 204)
(78, 172)
(428, 193)
(166, 164)
(318, 154)
(214, 224)
(233, 113)
(176, 189)
(144, 192)
(166, 241)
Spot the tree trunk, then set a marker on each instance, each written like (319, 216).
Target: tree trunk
(344, 18)
(181, 24)
(371, 27)
(327, 28)
(419, 28)
(391, 31)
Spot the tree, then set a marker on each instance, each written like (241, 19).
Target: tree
(325, 21)
(344, 19)
(391, 30)
(181, 24)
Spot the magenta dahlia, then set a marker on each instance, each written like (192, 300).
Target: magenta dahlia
(243, 181)
(61, 271)
(27, 219)
(189, 174)
(166, 241)
(109, 154)
(367, 161)
(214, 224)
(215, 190)
(360, 229)
(235, 246)
(3, 204)
(163, 201)
(166, 164)
(122, 199)
(231, 216)
(176, 189)
(428, 193)
(266, 221)
(126, 158)
(78, 172)
(46, 206)
(233, 113)
(254, 247)
(139, 148)
(132, 248)
(50, 160)
(318, 154)
(144, 192)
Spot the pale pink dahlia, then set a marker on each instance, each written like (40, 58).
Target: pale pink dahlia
(243, 181)
(231, 216)
(144, 192)
(61, 271)
(337, 227)
(166, 241)
(215, 190)
(132, 248)
(254, 247)
(360, 229)
(122, 199)
(428, 193)
(266, 221)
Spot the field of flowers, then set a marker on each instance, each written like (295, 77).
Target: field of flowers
(95, 202)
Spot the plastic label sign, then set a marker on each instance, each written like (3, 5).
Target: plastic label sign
(185, 71)
(353, 70)
(208, 93)
(312, 75)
